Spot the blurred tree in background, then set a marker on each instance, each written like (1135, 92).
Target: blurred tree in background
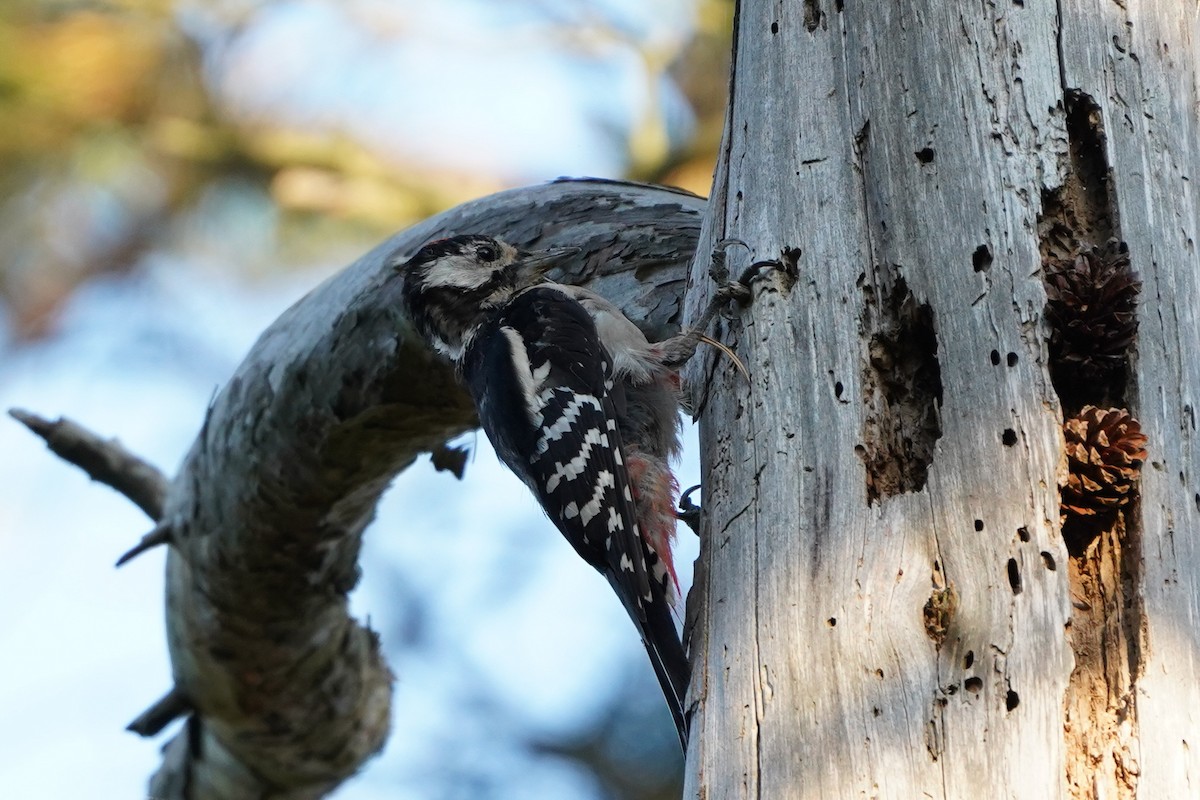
(123, 122)
(244, 138)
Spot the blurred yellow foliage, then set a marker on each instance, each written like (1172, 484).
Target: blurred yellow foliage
(109, 134)
(57, 76)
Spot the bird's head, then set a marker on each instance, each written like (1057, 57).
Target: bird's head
(452, 285)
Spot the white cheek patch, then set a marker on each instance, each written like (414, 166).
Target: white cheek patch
(458, 272)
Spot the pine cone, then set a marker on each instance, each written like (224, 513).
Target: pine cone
(1057, 242)
(1091, 306)
(1105, 452)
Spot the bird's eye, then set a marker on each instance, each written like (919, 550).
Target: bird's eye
(487, 252)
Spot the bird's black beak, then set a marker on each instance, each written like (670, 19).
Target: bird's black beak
(532, 267)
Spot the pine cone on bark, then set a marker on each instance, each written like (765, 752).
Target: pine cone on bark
(1105, 451)
(1091, 305)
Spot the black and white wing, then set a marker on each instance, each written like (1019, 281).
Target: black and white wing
(541, 380)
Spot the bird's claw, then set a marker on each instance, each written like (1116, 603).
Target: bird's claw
(739, 290)
(759, 270)
(688, 512)
(717, 269)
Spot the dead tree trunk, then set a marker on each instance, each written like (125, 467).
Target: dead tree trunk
(886, 606)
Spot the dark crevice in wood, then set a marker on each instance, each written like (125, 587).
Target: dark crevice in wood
(1087, 303)
(902, 388)
(981, 259)
(812, 15)
(1104, 572)
(1082, 208)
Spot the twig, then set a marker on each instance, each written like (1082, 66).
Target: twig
(169, 707)
(737, 362)
(104, 460)
(160, 535)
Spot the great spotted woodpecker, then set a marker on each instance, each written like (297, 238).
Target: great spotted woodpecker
(579, 405)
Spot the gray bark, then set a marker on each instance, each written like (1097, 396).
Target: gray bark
(885, 606)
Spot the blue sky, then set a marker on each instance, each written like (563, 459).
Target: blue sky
(522, 90)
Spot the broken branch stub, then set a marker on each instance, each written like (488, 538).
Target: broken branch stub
(105, 460)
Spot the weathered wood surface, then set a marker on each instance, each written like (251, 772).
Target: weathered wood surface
(267, 512)
(884, 597)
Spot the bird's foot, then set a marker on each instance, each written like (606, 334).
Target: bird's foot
(688, 512)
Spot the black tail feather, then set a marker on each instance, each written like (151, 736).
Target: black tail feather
(657, 628)
(671, 667)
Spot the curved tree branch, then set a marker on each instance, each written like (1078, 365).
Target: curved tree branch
(289, 694)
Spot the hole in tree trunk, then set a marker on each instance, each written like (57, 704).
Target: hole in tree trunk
(902, 385)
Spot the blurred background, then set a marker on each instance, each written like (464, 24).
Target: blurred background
(174, 174)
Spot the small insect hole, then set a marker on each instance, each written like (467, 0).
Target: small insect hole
(981, 259)
(831, 622)
(838, 389)
(1011, 700)
(968, 659)
(1014, 576)
(774, 27)
(995, 358)
(1009, 437)
(1048, 559)
(924, 155)
(1012, 359)
(973, 684)
(1023, 533)
(978, 524)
